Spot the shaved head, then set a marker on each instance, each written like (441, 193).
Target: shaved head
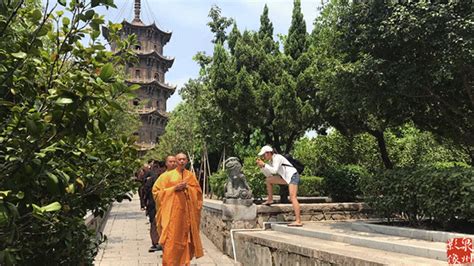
(170, 162)
(182, 160)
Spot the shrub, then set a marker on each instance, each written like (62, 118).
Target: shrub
(407, 145)
(440, 192)
(217, 182)
(255, 178)
(342, 183)
(64, 146)
(311, 186)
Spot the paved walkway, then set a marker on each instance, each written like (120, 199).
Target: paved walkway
(128, 240)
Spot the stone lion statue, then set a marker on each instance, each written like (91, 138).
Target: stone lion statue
(236, 186)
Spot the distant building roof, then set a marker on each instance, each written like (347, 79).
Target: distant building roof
(139, 24)
(152, 82)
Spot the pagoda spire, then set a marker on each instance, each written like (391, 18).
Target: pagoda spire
(137, 11)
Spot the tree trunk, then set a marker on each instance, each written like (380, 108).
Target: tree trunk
(284, 192)
(382, 148)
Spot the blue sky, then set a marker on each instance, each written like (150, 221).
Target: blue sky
(187, 20)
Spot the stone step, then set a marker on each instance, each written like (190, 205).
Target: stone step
(429, 235)
(342, 232)
(279, 248)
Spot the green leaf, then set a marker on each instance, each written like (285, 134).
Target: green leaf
(36, 208)
(20, 195)
(116, 105)
(52, 177)
(31, 126)
(19, 55)
(62, 2)
(6, 103)
(63, 101)
(55, 206)
(66, 21)
(106, 72)
(134, 87)
(4, 193)
(89, 14)
(95, 3)
(36, 14)
(95, 34)
(43, 30)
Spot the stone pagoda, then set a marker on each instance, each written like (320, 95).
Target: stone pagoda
(149, 73)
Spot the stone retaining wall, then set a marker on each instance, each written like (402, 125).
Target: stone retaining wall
(314, 212)
(218, 230)
(217, 226)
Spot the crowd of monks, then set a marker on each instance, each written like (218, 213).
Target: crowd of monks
(176, 202)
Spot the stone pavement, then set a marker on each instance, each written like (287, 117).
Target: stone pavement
(128, 240)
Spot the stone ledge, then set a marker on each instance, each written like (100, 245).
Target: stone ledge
(428, 235)
(315, 207)
(340, 232)
(213, 204)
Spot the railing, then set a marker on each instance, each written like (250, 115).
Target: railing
(145, 146)
(144, 110)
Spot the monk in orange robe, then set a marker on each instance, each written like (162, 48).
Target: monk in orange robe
(178, 198)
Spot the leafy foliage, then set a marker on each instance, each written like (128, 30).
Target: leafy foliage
(342, 183)
(378, 65)
(218, 24)
(311, 186)
(408, 145)
(255, 177)
(58, 159)
(180, 134)
(439, 192)
(217, 182)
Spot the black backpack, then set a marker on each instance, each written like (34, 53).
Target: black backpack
(294, 163)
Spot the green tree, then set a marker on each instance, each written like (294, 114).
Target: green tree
(218, 25)
(372, 75)
(434, 66)
(350, 88)
(181, 134)
(296, 43)
(58, 160)
(234, 35)
(265, 33)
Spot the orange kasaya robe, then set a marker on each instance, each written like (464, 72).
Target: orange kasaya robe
(178, 215)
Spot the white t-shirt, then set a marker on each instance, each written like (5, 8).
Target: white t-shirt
(281, 166)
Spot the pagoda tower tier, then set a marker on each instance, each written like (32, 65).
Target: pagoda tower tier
(150, 66)
(151, 95)
(153, 126)
(148, 72)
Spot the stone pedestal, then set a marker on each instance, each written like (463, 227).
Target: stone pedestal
(244, 202)
(234, 212)
(218, 219)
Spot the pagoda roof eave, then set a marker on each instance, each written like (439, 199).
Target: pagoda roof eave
(166, 34)
(155, 112)
(155, 53)
(162, 85)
